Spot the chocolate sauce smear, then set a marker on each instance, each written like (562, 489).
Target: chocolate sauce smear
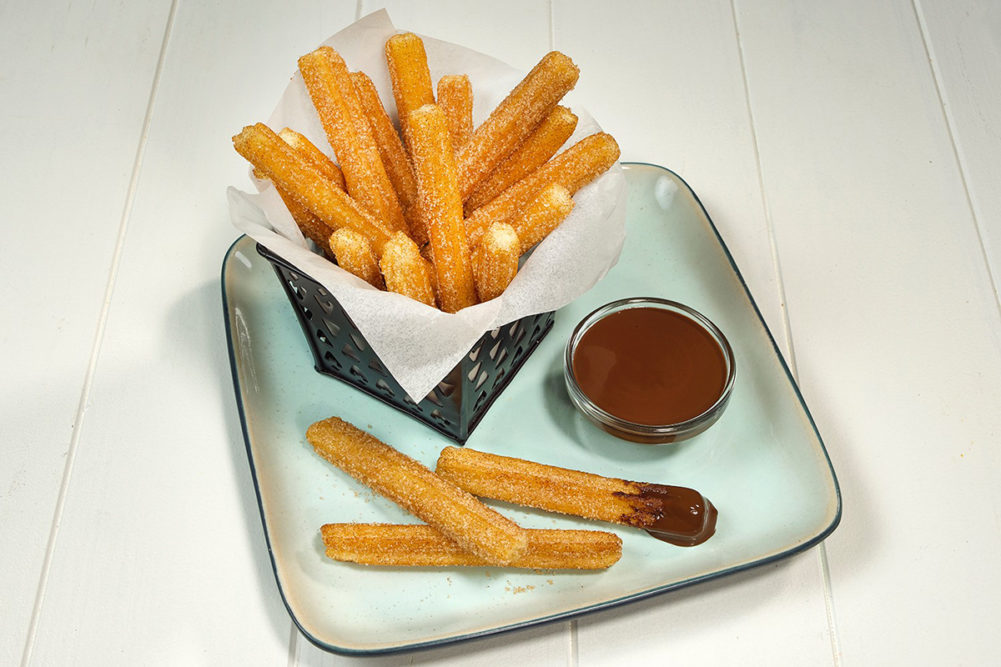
(686, 519)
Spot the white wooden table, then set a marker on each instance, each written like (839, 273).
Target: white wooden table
(848, 152)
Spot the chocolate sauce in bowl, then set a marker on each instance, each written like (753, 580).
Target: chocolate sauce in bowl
(650, 366)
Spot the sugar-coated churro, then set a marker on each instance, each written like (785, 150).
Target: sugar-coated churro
(573, 168)
(414, 545)
(676, 514)
(441, 207)
(495, 260)
(293, 174)
(394, 157)
(458, 515)
(544, 214)
(353, 253)
(350, 134)
(409, 73)
(313, 155)
(515, 118)
(455, 97)
(541, 145)
(311, 226)
(405, 271)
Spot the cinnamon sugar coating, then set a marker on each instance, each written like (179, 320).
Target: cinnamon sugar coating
(414, 545)
(454, 512)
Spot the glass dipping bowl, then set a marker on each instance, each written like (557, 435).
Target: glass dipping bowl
(632, 430)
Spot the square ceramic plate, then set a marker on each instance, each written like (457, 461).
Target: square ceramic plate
(763, 464)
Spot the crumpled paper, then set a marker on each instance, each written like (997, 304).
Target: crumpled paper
(417, 344)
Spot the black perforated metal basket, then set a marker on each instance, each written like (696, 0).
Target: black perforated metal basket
(460, 400)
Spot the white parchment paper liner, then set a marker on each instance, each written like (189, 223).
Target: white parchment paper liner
(419, 345)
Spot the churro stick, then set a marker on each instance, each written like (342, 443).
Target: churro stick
(573, 168)
(313, 155)
(549, 208)
(350, 135)
(415, 545)
(455, 97)
(541, 145)
(411, 78)
(394, 157)
(458, 515)
(677, 514)
(290, 172)
(405, 271)
(311, 226)
(353, 253)
(495, 260)
(515, 118)
(441, 207)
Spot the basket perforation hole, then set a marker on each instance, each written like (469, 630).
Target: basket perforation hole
(475, 353)
(377, 367)
(355, 371)
(332, 360)
(350, 351)
(446, 388)
(334, 329)
(385, 388)
(321, 335)
(493, 350)
(502, 356)
(472, 372)
(498, 378)
(359, 343)
(483, 378)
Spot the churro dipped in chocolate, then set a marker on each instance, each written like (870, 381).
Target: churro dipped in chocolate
(405, 271)
(440, 503)
(414, 545)
(350, 134)
(573, 169)
(408, 70)
(455, 97)
(675, 514)
(293, 174)
(540, 145)
(515, 118)
(353, 253)
(495, 260)
(441, 207)
(394, 157)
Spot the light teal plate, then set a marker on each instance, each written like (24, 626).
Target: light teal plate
(763, 464)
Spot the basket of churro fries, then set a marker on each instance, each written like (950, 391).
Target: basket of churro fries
(426, 208)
